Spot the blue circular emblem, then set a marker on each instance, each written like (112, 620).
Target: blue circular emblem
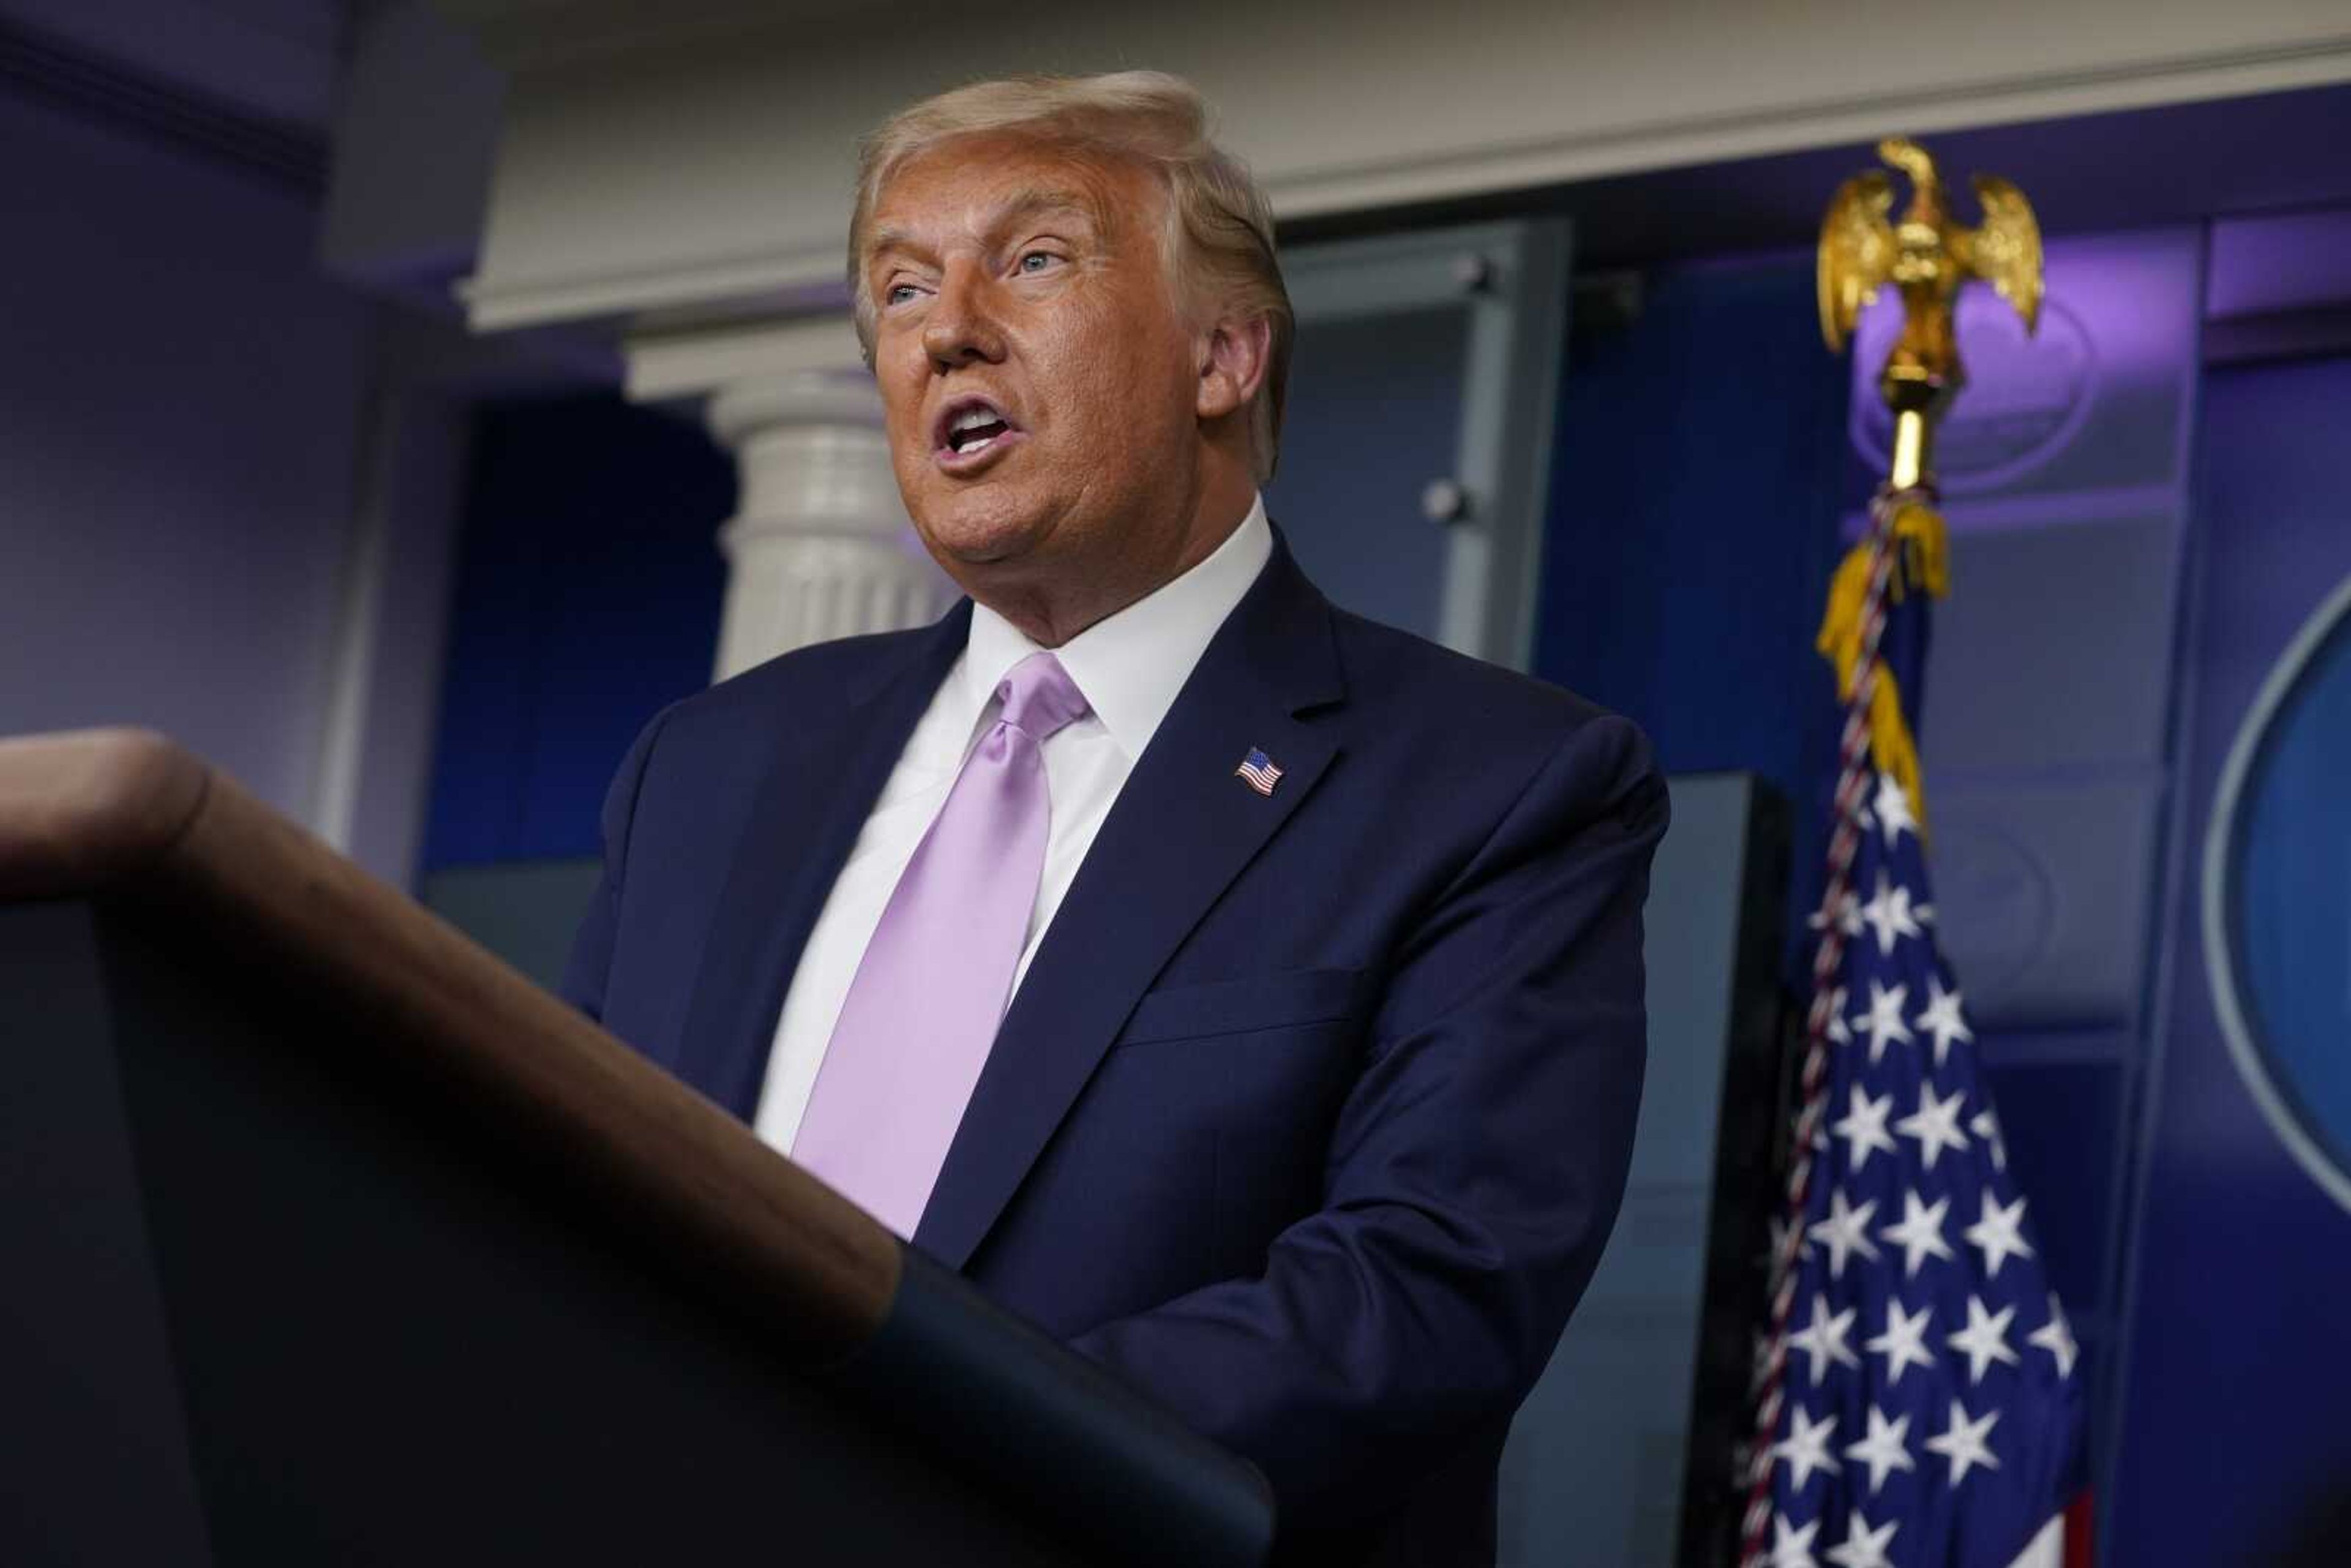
(2277, 897)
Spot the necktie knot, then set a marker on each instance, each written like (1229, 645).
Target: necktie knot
(1039, 698)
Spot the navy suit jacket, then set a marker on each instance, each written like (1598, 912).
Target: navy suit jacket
(1312, 1113)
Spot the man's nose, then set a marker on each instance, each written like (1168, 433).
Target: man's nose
(960, 328)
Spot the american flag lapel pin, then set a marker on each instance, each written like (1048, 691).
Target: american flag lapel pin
(1256, 770)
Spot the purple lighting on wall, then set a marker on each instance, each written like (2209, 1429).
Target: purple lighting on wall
(2095, 401)
(2295, 261)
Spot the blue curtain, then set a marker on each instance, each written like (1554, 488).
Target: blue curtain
(587, 597)
(1701, 468)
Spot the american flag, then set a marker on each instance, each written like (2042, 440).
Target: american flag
(1919, 1390)
(1257, 769)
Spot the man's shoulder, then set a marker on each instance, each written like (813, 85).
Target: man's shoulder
(1472, 738)
(1430, 690)
(808, 683)
(1449, 739)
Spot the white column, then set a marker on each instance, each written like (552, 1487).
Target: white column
(821, 547)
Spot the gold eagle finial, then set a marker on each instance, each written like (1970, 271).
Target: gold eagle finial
(1926, 255)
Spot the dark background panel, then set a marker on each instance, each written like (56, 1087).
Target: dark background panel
(587, 586)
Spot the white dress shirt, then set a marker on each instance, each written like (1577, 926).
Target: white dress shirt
(1129, 666)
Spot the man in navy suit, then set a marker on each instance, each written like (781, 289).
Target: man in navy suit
(1247, 993)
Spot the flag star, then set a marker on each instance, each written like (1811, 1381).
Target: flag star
(1987, 1126)
(1936, 1125)
(1920, 1234)
(1904, 1343)
(1806, 1446)
(1847, 915)
(1837, 1032)
(1760, 1362)
(1985, 1340)
(1964, 1444)
(1883, 1021)
(1893, 804)
(1885, 1448)
(1845, 1230)
(1844, 913)
(1864, 1127)
(1942, 1020)
(1890, 916)
(2056, 1337)
(1996, 1234)
(1823, 1340)
(1791, 1547)
(1861, 1546)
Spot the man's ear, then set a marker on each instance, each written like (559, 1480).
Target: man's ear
(1232, 360)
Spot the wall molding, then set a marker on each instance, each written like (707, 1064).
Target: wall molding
(1683, 139)
(705, 165)
(759, 284)
(44, 68)
(695, 361)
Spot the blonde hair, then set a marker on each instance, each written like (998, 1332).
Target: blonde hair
(1219, 234)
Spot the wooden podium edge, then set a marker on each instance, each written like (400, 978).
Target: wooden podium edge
(82, 811)
(128, 819)
(128, 815)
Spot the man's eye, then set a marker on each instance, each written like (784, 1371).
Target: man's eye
(899, 293)
(1037, 260)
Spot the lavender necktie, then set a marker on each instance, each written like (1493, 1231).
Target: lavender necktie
(923, 1012)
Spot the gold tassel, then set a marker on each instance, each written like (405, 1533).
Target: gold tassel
(1921, 547)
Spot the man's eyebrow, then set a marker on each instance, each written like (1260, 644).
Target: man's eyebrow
(1020, 208)
(1035, 204)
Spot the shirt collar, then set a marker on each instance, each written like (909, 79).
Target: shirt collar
(1130, 665)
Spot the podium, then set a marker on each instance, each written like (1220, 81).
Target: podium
(326, 1237)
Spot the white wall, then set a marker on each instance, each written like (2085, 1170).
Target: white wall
(180, 390)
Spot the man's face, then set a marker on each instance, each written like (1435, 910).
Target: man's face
(1038, 376)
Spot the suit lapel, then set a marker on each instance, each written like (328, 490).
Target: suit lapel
(1184, 827)
(810, 805)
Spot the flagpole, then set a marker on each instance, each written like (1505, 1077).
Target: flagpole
(1927, 256)
(1853, 768)
(1909, 466)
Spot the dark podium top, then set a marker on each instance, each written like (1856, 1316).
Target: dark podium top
(328, 1237)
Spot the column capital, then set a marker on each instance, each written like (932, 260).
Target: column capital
(819, 546)
(844, 398)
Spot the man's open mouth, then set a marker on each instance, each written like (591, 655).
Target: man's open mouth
(970, 426)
